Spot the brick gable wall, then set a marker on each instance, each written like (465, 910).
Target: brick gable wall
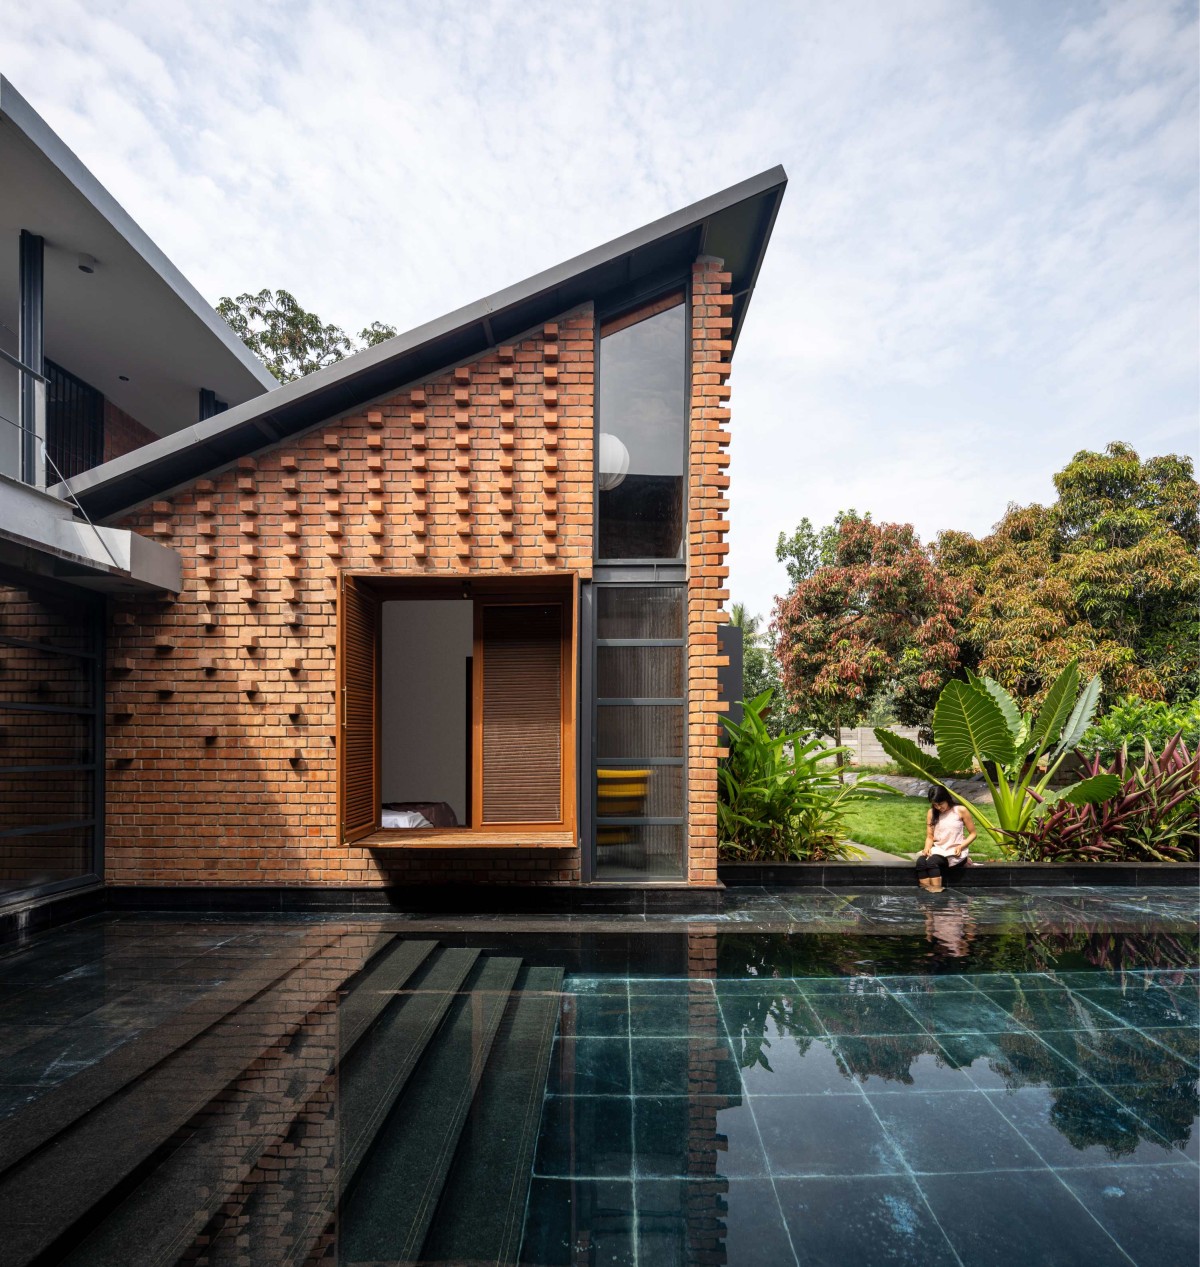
(221, 759)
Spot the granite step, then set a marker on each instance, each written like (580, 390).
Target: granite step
(67, 1185)
(390, 1206)
(481, 1211)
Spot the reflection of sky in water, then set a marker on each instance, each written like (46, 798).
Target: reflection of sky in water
(641, 399)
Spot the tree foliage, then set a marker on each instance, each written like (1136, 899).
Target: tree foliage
(874, 614)
(1107, 575)
(290, 341)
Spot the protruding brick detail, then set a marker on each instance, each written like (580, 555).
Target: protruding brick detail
(707, 506)
(258, 803)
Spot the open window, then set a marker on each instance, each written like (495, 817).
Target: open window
(456, 712)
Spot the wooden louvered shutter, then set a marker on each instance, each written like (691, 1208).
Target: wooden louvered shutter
(358, 709)
(521, 646)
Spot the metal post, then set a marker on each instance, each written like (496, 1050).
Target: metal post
(31, 350)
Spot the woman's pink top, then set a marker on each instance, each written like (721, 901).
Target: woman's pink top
(948, 835)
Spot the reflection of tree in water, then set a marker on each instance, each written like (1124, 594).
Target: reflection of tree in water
(747, 1016)
(1159, 1089)
(1070, 943)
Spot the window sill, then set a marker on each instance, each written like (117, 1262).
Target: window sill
(470, 838)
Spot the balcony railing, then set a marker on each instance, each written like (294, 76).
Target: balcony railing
(22, 421)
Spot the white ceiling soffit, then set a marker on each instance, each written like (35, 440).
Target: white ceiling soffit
(136, 315)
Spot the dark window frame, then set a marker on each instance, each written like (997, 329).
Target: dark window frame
(610, 321)
(94, 658)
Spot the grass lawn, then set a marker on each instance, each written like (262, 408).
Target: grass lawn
(896, 824)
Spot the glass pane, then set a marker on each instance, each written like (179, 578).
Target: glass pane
(44, 738)
(36, 616)
(639, 730)
(654, 791)
(639, 611)
(640, 672)
(641, 424)
(31, 800)
(45, 857)
(30, 675)
(638, 853)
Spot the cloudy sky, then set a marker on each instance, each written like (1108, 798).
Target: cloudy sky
(986, 259)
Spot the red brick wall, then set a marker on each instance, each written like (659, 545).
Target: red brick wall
(708, 573)
(221, 733)
(122, 434)
(221, 763)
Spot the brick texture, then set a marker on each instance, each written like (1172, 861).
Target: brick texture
(221, 759)
(708, 573)
(122, 433)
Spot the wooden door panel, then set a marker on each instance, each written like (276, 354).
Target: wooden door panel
(358, 657)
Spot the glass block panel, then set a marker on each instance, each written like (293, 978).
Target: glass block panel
(44, 738)
(64, 622)
(654, 791)
(639, 611)
(639, 730)
(639, 853)
(640, 672)
(35, 675)
(55, 796)
(45, 857)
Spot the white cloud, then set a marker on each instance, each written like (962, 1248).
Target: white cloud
(987, 258)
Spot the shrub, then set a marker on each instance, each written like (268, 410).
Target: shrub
(780, 799)
(1153, 818)
(1132, 723)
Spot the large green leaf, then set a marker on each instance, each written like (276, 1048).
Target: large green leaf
(1008, 705)
(909, 757)
(1100, 787)
(1081, 715)
(969, 726)
(1059, 702)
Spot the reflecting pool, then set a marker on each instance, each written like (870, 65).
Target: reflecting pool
(821, 1077)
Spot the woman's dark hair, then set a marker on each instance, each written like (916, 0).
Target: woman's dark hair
(937, 796)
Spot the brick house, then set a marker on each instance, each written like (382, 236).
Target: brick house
(448, 610)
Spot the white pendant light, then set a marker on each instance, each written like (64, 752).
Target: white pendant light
(613, 461)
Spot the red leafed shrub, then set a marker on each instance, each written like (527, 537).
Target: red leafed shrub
(1154, 818)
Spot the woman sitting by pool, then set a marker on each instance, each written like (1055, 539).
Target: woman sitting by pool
(949, 831)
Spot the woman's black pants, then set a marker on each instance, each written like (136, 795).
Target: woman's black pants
(929, 865)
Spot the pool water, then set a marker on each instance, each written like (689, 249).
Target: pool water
(817, 1077)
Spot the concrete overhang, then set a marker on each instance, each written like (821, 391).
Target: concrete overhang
(136, 315)
(40, 535)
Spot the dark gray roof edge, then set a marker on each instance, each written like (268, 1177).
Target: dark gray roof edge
(38, 132)
(136, 470)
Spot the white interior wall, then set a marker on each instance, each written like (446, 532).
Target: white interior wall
(423, 728)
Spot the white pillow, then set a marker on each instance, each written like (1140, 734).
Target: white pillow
(404, 818)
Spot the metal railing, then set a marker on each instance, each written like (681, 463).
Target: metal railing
(33, 456)
(32, 442)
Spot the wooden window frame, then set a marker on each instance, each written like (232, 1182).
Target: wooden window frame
(559, 588)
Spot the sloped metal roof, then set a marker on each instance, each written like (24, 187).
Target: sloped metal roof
(734, 225)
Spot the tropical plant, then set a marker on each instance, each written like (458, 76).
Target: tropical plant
(1152, 818)
(1133, 723)
(978, 721)
(779, 798)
